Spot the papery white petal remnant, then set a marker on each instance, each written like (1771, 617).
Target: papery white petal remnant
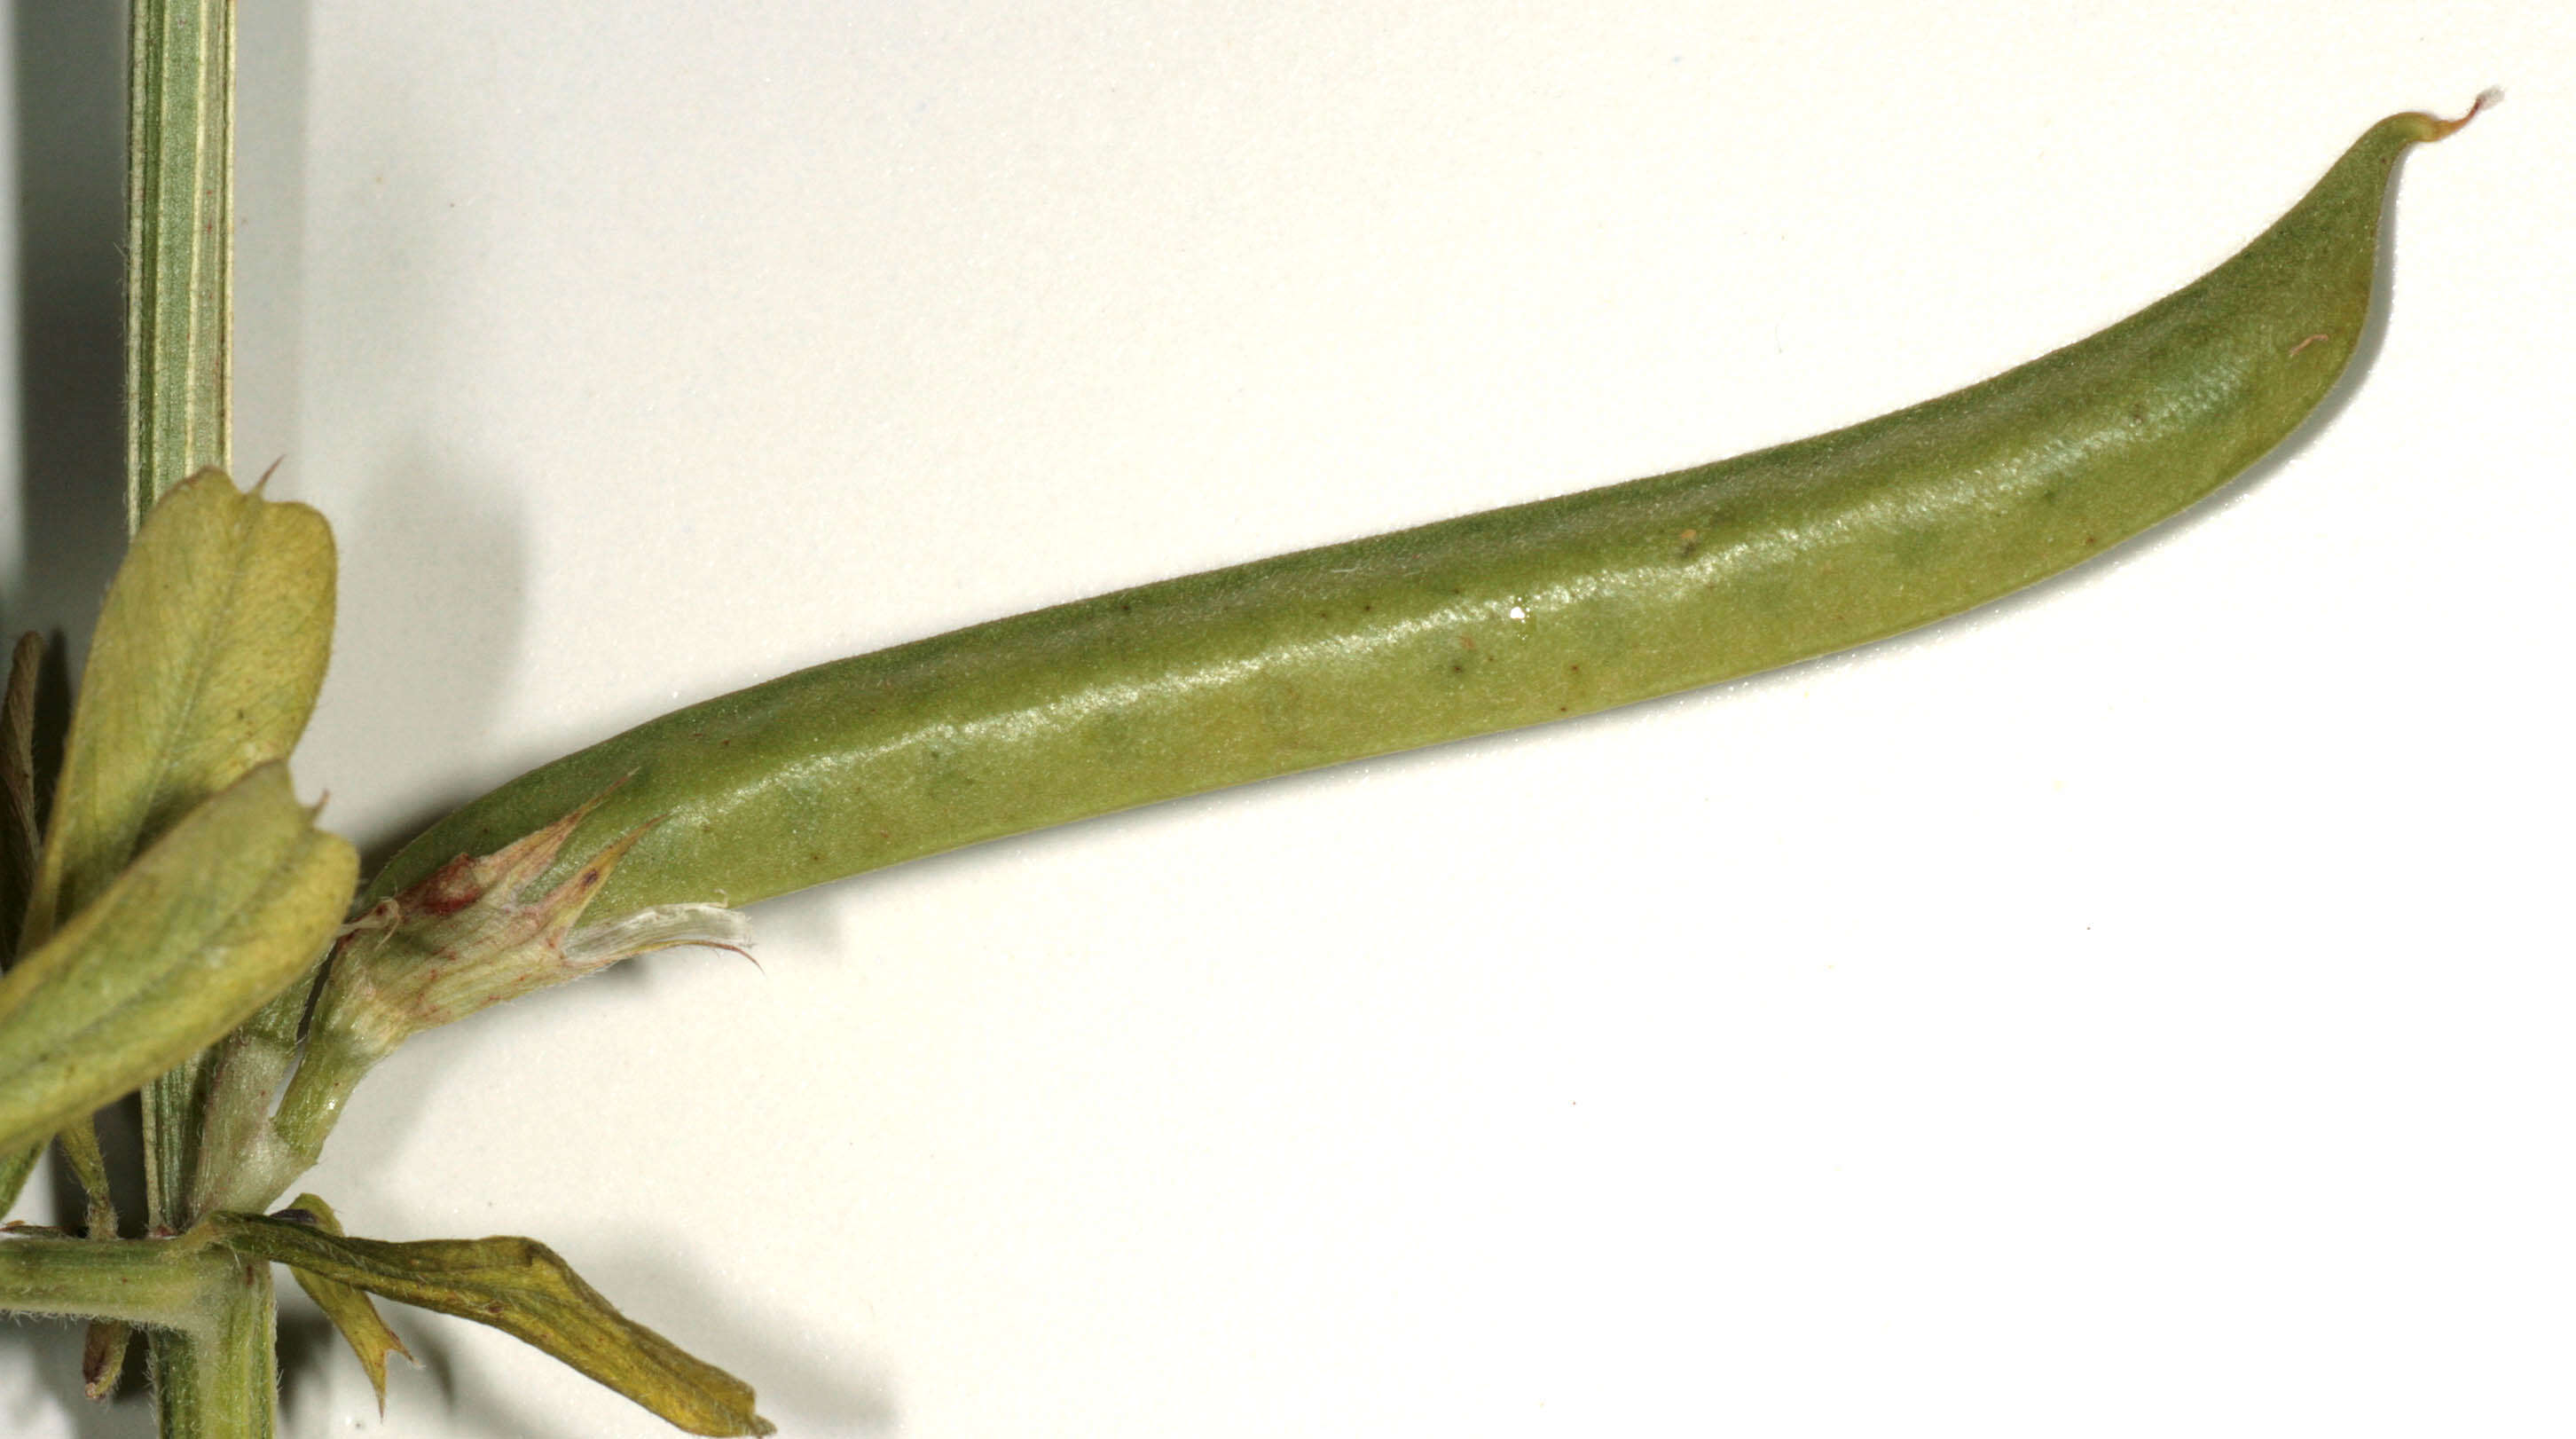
(663, 926)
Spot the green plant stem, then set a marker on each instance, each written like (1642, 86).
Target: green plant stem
(173, 1285)
(236, 1139)
(179, 246)
(292, 1142)
(222, 1379)
(219, 1380)
(178, 350)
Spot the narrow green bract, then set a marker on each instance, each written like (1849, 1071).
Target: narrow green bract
(524, 1289)
(1501, 619)
(348, 1307)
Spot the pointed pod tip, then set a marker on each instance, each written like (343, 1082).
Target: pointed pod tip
(2435, 127)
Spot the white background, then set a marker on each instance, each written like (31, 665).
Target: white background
(2139, 1008)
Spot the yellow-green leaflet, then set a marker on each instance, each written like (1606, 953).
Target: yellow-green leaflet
(521, 1288)
(14, 1168)
(206, 662)
(228, 907)
(348, 1307)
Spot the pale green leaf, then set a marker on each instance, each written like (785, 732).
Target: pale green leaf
(205, 664)
(521, 1288)
(15, 1166)
(221, 913)
(347, 1306)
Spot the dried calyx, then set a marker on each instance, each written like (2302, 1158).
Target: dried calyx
(471, 936)
(474, 933)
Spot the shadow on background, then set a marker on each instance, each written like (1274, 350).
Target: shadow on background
(67, 64)
(68, 77)
(68, 60)
(431, 614)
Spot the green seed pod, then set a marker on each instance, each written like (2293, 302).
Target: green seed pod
(1487, 622)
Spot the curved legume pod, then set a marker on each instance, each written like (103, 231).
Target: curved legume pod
(1483, 623)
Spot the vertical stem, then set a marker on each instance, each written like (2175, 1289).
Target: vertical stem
(178, 354)
(219, 1383)
(179, 246)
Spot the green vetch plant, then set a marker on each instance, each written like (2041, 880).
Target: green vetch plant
(182, 927)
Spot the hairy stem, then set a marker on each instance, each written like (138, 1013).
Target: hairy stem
(219, 1379)
(179, 245)
(166, 1284)
(178, 352)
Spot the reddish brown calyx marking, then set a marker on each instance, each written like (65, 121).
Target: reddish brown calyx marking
(451, 887)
